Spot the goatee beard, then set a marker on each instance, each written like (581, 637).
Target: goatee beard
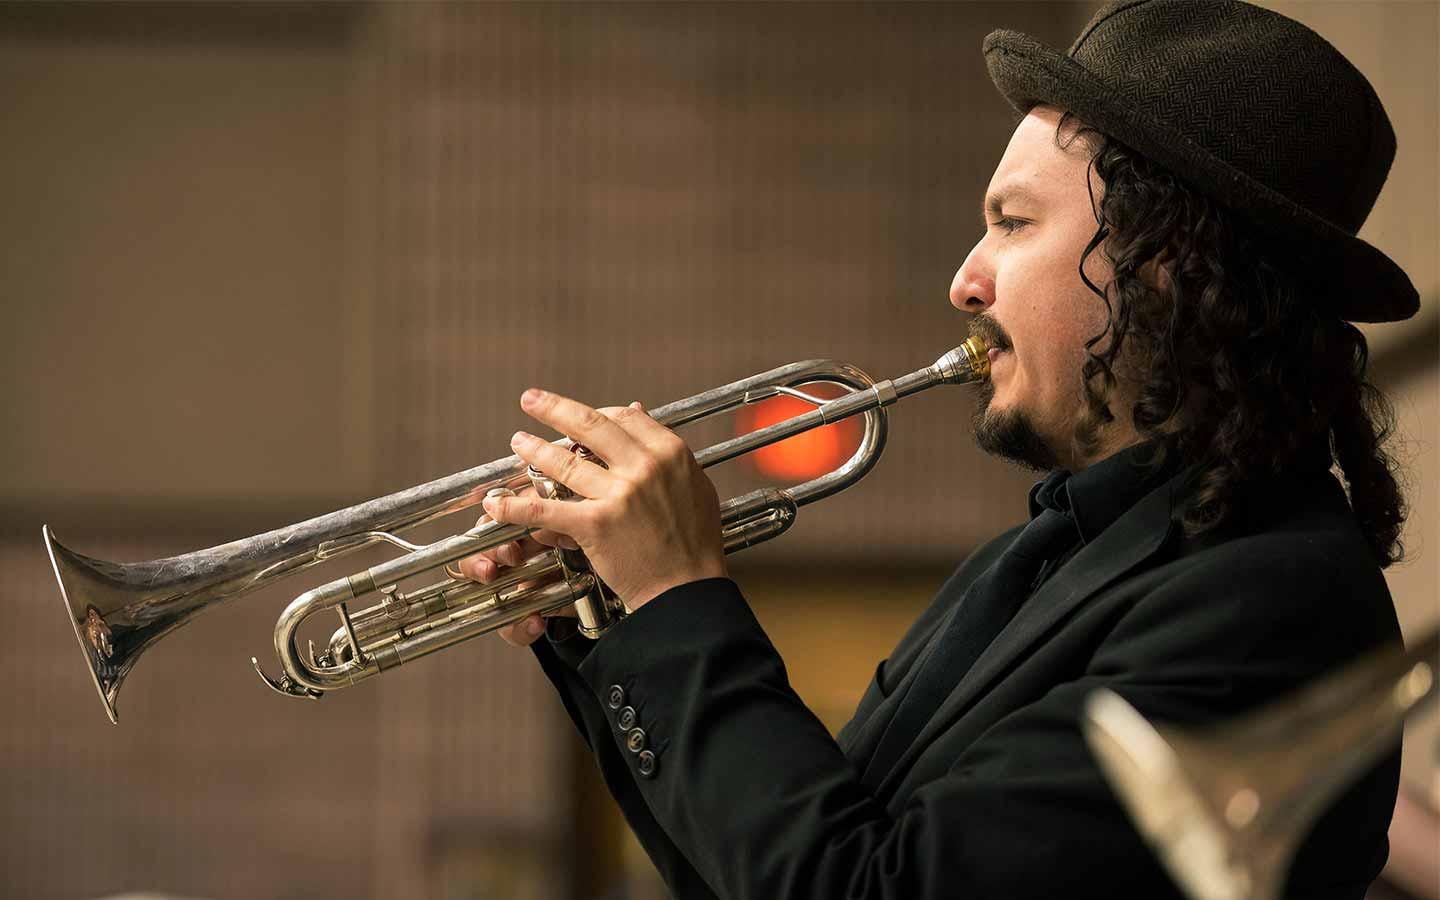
(1009, 434)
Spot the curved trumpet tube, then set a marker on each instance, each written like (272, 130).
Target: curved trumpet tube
(1225, 811)
(119, 609)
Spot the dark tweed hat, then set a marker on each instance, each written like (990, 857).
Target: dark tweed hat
(1250, 107)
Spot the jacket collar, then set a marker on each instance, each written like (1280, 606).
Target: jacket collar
(1101, 493)
(1132, 539)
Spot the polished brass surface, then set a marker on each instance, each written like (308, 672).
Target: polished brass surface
(1226, 810)
(119, 609)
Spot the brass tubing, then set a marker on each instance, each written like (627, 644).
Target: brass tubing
(117, 610)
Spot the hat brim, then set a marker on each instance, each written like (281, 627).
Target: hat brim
(1367, 286)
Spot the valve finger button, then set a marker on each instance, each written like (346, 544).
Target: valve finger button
(392, 602)
(547, 487)
(588, 455)
(493, 492)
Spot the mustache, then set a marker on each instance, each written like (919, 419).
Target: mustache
(984, 327)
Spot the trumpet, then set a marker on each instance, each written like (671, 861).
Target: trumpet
(119, 609)
(1226, 810)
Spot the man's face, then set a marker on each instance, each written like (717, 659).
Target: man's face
(1022, 284)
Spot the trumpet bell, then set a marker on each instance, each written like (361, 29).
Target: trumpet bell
(93, 592)
(1168, 805)
(119, 609)
(1227, 808)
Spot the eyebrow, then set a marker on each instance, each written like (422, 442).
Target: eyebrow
(995, 201)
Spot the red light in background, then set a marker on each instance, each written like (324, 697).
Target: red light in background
(807, 455)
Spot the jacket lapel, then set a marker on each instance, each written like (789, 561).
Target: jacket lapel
(857, 731)
(861, 734)
(866, 737)
(1127, 543)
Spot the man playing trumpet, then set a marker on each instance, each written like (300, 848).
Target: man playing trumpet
(1166, 280)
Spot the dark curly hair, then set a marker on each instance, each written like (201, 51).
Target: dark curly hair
(1245, 373)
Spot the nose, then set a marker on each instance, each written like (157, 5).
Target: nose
(973, 289)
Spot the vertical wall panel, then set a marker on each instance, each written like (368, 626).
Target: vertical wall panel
(641, 202)
(617, 201)
(254, 135)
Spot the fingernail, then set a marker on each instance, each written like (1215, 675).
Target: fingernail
(534, 627)
(531, 396)
(519, 438)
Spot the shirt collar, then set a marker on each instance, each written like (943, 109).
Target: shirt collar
(1103, 491)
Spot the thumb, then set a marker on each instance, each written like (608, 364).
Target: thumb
(523, 633)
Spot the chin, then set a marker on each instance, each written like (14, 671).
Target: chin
(1009, 433)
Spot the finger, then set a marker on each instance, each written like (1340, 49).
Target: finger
(479, 568)
(523, 633)
(554, 539)
(536, 512)
(580, 423)
(580, 475)
(507, 554)
(638, 423)
(485, 565)
(530, 545)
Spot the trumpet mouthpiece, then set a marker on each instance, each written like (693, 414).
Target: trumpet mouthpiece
(968, 362)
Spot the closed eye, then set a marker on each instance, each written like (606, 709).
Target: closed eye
(1007, 224)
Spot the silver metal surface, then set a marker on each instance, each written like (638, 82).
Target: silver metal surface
(1225, 811)
(119, 609)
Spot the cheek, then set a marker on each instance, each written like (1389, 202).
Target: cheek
(1043, 307)
(1052, 333)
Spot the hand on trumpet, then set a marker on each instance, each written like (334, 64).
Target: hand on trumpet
(486, 566)
(647, 522)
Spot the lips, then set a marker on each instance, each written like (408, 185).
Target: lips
(984, 328)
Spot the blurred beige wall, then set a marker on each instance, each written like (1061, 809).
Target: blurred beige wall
(1397, 47)
(175, 240)
(187, 248)
(263, 260)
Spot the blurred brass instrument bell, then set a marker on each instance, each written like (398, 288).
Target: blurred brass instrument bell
(119, 609)
(1226, 810)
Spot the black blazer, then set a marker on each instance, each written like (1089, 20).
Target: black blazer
(744, 794)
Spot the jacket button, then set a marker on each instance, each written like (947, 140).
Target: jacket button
(626, 719)
(616, 697)
(635, 740)
(648, 764)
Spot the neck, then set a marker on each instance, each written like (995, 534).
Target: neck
(1108, 446)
